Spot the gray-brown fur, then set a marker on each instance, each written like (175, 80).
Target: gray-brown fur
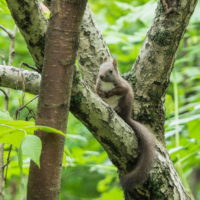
(117, 92)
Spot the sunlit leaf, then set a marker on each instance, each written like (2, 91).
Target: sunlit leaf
(176, 149)
(49, 130)
(4, 115)
(31, 147)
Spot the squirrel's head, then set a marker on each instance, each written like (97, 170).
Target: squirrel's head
(108, 71)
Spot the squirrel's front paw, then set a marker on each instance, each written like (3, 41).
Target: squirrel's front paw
(106, 94)
(117, 109)
(102, 94)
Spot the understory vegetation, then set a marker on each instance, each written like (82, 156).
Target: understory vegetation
(87, 172)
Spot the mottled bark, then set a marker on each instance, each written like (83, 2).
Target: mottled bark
(105, 125)
(154, 64)
(32, 25)
(54, 97)
(194, 181)
(91, 46)
(92, 49)
(148, 107)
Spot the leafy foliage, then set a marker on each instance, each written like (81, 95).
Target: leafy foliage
(20, 134)
(32, 147)
(87, 172)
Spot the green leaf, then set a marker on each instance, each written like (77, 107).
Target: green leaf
(30, 129)
(186, 120)
(76, 137)
(20, 161)
(104, 184)
(114, 193)
(5, 115)
(11, 135)
(17, 123)
(176, 149)
(13, 132)
(32, 147)
(29, 126)
(49, 130)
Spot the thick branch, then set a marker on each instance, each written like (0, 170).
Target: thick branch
(154, 64)
(148, 107)
(84, 103)
(61, 46)
(32, 24)
(92, 49)
(109, 129)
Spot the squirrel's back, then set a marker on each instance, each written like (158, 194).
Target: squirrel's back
(118, 93)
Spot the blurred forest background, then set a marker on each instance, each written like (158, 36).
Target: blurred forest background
(87, 173)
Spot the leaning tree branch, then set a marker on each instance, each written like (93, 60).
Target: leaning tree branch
(84, 103)
(32, 25)
(92, 49)
(108, 128)
(148, 107)
(61, 45)
(153, 66)
(150, 75)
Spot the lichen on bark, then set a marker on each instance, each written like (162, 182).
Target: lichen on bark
(149, 77)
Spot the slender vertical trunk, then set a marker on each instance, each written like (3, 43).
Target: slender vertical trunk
(55, 91)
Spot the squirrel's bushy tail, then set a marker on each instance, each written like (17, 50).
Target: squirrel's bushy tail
(147, 154)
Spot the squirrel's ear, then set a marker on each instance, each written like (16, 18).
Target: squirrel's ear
(105, 59)
(115, 64)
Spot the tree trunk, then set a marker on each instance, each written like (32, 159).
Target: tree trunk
(155, 63)
(103, 122)
(106, 125)
(54, 98)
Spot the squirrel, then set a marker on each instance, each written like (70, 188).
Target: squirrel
(118, 93)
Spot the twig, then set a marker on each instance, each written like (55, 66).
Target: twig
(10, 34)
(12, 47)
(24, 106)
(7, 163)
(6, 98)
(30, 114)
(31, 67)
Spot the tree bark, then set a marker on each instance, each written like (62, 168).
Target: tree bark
(89, 108)
(105, 125)
(32, 25)
(54, 98)
(154, 64)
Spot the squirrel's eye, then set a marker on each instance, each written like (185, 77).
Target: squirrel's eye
(110, 71)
